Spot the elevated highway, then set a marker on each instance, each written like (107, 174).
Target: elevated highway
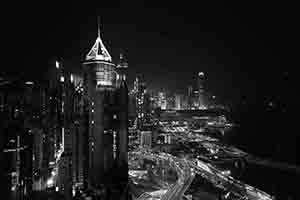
(175, 191)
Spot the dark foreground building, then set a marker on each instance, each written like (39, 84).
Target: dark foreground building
(67, 138)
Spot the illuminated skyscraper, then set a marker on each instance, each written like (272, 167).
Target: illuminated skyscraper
(106, 102)
(162, 100)
(178, 101)
(121, 69)
(196, 93)
(142, 99)
(190, 97)
(201, 91)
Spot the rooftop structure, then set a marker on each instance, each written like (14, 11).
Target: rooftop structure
(98, 52)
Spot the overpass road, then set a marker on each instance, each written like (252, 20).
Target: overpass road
(184, 171)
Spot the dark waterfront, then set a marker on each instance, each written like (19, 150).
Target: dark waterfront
(268, 135)
(273, 181)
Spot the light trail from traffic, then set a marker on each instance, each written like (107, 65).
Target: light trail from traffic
(184, 171)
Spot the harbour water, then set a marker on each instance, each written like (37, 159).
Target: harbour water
(267, 136)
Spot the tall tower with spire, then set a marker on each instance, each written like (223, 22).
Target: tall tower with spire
(201, 90)
(100, 61)
(106, 100)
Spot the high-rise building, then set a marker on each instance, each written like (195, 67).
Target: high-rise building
(185, 102)
(122, 69)
(79, 140)
(63, 120)
(38, 153)
(179, 101)
(201, 90)
(196, 93)
(170, 102)
(16, 140)
(142, 99)
(153, 101)
(106, 104)
(190, 97)
(162, 100)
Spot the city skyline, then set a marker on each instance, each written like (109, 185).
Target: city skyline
(133, 100)
(220, 40)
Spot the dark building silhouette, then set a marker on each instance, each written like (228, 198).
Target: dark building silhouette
(196, 93)
(18, 114)
(68, 133)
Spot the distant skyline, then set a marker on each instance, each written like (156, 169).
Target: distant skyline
(240, 46)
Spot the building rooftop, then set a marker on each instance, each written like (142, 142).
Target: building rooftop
(98, 52)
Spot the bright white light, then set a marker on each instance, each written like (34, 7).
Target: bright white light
(63, 137)
(104, 83)
(210, 123)
(203, 166)
(29, 83)
(62, 79)
(56, 189)
(227, 172)
(57, 64)
(227, 195)
(73, 192)
(71, 78)
(50, 182)
(200, 74)
(98, 52)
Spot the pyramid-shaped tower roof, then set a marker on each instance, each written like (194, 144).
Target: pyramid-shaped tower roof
(98, 51)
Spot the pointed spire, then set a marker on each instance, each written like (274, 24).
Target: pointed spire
(98, 22)
(98, 51)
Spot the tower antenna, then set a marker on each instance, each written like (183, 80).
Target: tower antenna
(98, 24)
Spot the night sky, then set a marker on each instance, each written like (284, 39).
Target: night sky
(245, 48)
